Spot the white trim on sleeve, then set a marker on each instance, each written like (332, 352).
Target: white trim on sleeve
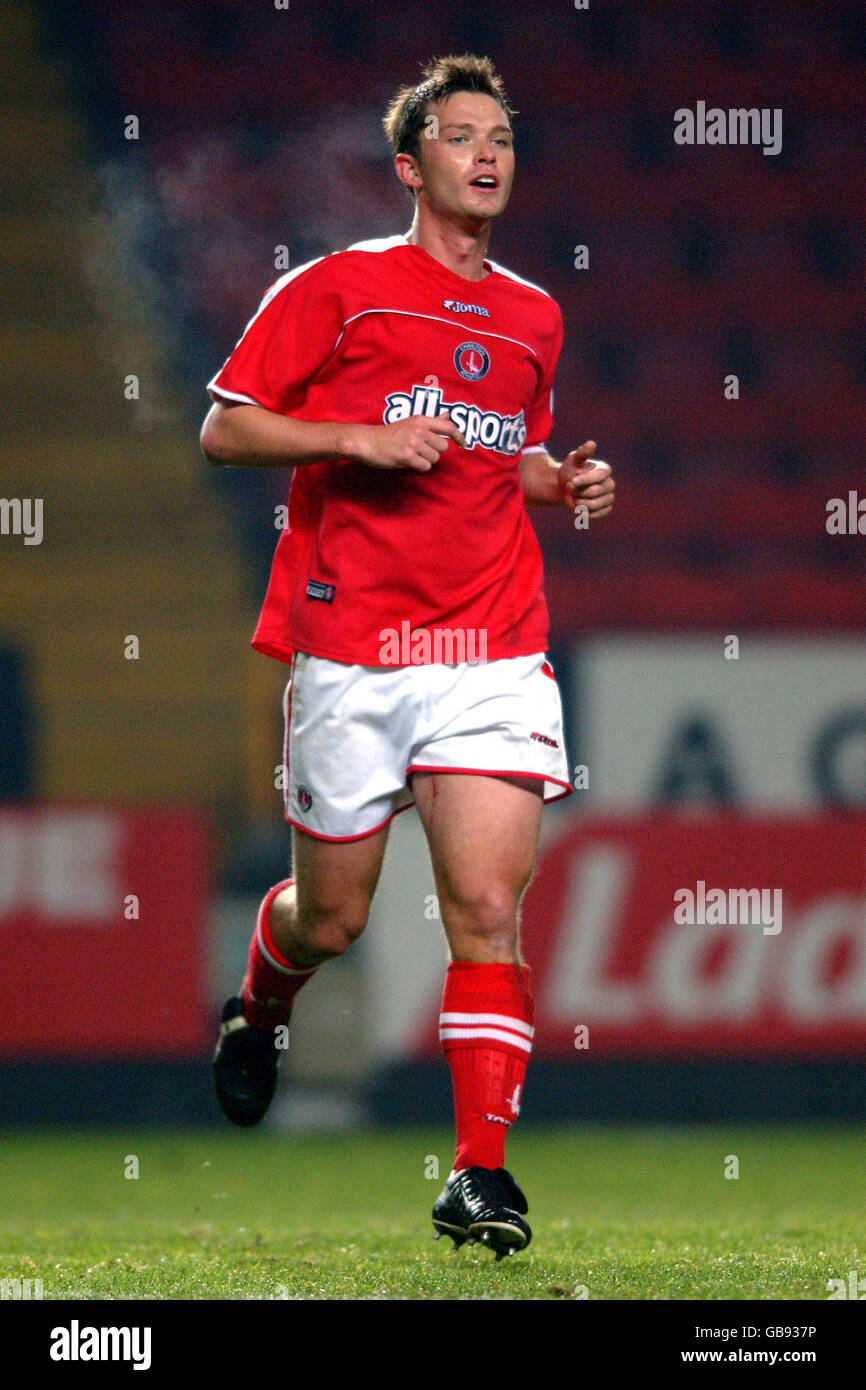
(230, 395)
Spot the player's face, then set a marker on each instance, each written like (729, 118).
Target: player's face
(467, 167)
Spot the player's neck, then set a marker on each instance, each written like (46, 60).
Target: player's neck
(459, 250)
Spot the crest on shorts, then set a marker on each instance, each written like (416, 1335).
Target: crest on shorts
(305, 798)
(472, 361)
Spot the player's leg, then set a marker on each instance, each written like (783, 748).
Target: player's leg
(483, 836)
(348, 731)
(311, 918)
(301, 923)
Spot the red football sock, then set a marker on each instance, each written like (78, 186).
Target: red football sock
(271, 981)
(486, 1031)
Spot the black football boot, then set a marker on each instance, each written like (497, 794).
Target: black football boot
(244, 1066)
(484, 1205)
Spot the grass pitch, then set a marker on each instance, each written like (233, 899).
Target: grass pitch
(631, 1213)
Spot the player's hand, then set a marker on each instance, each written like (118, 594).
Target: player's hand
(587, 482)
(414, 443)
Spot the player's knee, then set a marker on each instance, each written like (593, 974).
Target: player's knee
(342, 933)
(486, 917)
(332, 931)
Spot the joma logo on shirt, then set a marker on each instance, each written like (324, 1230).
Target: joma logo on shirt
(506, 434)
(458, 307)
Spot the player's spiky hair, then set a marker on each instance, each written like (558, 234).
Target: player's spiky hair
(405, 118)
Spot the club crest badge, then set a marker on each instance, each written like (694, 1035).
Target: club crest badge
(472, 361)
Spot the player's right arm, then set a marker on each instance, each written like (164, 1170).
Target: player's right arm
(251, 436)
(259, 392)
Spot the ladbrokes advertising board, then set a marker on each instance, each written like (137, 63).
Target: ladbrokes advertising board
(730, 936)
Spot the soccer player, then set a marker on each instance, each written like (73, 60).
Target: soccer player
(408, 381)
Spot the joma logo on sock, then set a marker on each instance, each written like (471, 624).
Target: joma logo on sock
(76, 1343)
(739, 126)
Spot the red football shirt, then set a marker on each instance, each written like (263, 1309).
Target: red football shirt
(374, 334)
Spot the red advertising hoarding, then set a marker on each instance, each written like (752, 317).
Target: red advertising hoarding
(705, 936)
(102, 947)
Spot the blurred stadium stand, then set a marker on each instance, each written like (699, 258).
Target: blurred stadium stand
(135, 541)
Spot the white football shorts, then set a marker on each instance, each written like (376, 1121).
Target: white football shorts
(355, 735)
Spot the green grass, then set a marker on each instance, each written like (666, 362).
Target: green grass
(629, 1213)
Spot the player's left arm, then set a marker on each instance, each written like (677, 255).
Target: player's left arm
(577, 480)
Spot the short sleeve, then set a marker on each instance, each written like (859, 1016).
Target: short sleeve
(291, 335)
(539, 418)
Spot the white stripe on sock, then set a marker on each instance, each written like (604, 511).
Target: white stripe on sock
(504, 1020)
(492, 1034)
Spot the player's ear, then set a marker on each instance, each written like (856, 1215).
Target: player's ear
(408, 171)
